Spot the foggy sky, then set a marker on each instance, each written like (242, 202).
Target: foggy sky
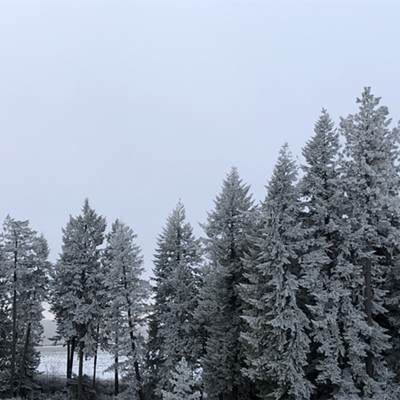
(136, 105)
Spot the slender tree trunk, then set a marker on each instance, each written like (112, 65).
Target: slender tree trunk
(116, 377)
(94, 369)
(22, 373)
(95, 356)
(235, 393)
(368, 311)
(68, 360)
(70, 356)
(132, 337)
(135, 364)
(80, 372)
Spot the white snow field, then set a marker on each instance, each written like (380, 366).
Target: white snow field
(53, 362)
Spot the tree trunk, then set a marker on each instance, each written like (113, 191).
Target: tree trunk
(22, 373)
(368, 311)
(68, 360)
(70, 356)
(80, 372)
(116, 377)
(132, 337)
(94, 369)
(135, 364)
(95, 356)
(235, 393)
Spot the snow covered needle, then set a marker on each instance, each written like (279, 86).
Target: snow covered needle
(183, 384)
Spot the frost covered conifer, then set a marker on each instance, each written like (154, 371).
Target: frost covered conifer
(275, 336)
(5, 325)
(372, 189)
(76, 282)
(221, 306)
(23, 288)
(321, 190)
(182, 383)
(127, 294)
(173, 331)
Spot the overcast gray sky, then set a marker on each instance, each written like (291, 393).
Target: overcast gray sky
(138, 104)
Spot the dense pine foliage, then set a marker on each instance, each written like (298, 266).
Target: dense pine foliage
(173, 333)
(296, 298)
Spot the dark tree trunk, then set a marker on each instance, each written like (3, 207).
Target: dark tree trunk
(80, 372)
(135, 364)
(22, 373)
(235, 393)
(132, 337)
(94, 369)
(95, 356)
(70, 358)
(116, 377)
(368, 311)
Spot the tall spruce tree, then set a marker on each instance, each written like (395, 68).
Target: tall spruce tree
(275, 337)
(321, 191)
(173, 331)
(5, 324)
(372, 188)
(24, 277)
(127, 294)
(221, 306)
(75, 294)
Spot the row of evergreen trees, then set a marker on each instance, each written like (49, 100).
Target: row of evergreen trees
(296, 298)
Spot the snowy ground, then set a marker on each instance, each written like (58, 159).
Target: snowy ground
(53, 362)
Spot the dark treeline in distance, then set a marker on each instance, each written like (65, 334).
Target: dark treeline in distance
(295, 298)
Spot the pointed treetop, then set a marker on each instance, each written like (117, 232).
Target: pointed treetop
(232, 187)
(368, 100)
(284, 174)
(179, 210)
(176, 218)
(233, 179)
(86, 205)
(323, 147)
(369, 120)
(371, 145)
(324, 123)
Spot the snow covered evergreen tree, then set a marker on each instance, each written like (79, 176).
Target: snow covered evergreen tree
(183, 384)
(127, 294)
(75, 295)
(372, 189)
(221, 306)
(24, 279)
(5, 324)
(173, 331)
(275, 337)
(321, 191)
